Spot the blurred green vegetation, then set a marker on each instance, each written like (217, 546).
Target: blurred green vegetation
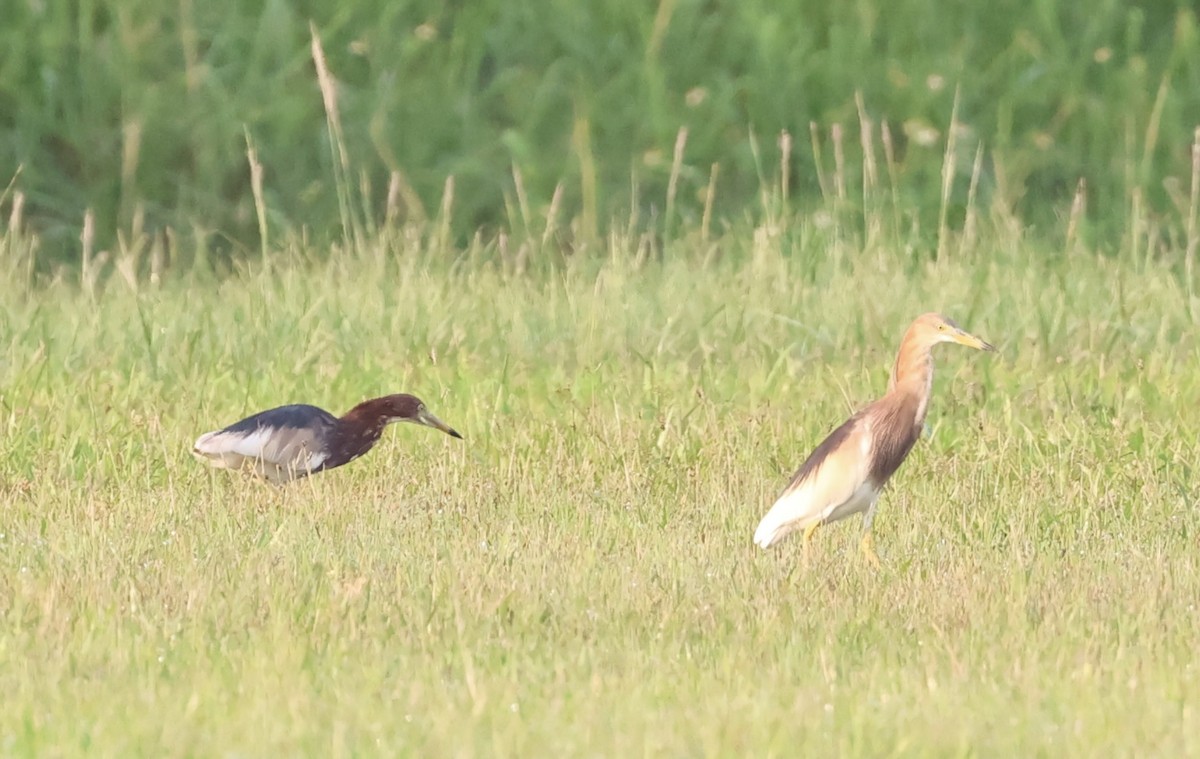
(141, 110)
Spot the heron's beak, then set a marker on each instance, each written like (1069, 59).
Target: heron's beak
(429, 420)
(962, 337)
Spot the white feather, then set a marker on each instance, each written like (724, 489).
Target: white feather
(782, 519)
(799, 508)
(247, 444)
(838, 488)
(260, 450)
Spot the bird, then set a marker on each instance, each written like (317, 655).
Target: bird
(287, 443)
(845, 474)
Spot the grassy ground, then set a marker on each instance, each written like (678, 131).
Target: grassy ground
(577, 576)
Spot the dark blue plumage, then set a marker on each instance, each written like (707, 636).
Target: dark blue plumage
(293, 416)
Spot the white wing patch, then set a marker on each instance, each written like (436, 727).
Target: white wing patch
(837, 489)
(858, 502)
(279, 455)
(249, 445)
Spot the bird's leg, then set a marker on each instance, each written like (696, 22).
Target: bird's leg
(808, 534)
(867, 545)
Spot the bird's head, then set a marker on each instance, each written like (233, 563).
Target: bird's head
(409, 408)
(931, 329)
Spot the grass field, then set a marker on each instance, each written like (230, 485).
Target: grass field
(577, 577)
(644, 257)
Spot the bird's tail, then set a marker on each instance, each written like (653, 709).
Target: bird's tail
(772, 529)
(203, 446)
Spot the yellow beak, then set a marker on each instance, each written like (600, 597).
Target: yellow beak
(962, 337)
(429, 420)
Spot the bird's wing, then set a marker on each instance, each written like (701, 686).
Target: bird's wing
(834, 474)
(290, 438)
(289, 447)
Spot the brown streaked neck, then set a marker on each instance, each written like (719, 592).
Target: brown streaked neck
(358, 430)
(912, 375)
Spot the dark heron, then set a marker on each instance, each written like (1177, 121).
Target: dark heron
(846, 472)
(291, 442)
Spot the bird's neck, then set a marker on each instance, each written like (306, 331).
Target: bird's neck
(357, 432)
(912, 376)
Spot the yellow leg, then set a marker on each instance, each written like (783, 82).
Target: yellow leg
(868, 549)
(808, 533)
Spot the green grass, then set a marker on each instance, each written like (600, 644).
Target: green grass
(640, 348)
(577, 577)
